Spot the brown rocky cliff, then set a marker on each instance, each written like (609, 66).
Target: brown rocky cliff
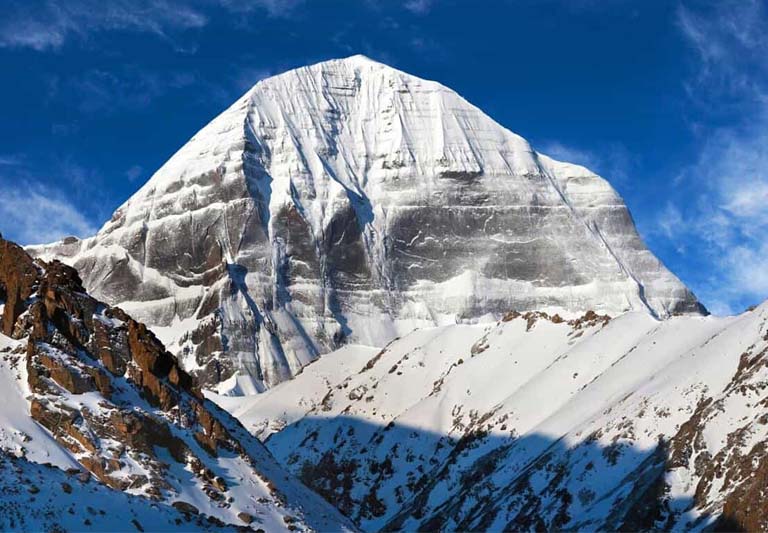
(18, 280)
(78, 345)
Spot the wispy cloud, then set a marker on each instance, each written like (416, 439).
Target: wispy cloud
(721, 213)
(127, 88)
(274, 8)
(419, 7)
(438, 52)
(39, 214)
(613, 161)
(47, 25)
(730, 41)
(248, 77)
(134, 173)
(49, 197)
(9, 160)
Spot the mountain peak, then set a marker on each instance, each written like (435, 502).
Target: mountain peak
(357, 63)
(358, 59)
(328, 207)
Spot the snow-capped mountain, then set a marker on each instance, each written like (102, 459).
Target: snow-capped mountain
(350, 202)
(127, 439)
(598, 423)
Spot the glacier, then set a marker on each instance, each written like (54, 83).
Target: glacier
(348, 202)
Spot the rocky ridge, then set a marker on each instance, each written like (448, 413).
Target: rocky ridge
(118, 406)
(535, 422)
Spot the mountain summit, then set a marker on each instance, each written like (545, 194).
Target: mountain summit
(350, 202)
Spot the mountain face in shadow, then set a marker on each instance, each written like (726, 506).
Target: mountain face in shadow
(535, 422)
(485, 482)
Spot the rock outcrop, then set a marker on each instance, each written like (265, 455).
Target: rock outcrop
(17, 283)
(351, 202)
(110, 394)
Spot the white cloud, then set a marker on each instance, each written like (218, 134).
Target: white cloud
(735, 164)
(728, 216)
(748, 267)
(722, 212)
(9, 160)
(100, 91)
(612, 160)
(671, 221)
(730, 40)
(419, 7)
(569, 154)
(249, 77)
(274, 8)
(40, 214)
(45, 25)
(49, 24)
(134, 173)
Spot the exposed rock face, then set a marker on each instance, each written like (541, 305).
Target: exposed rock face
(17, 282)
(536, 423)
(110, 394)
(720, 454)
(348, 201)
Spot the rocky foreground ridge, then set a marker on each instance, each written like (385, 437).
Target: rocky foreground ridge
(349, 202)
(117, 406)
(536, 422)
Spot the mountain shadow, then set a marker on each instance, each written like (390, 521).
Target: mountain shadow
(402, 478)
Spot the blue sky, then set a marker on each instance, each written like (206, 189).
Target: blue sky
(666, 99)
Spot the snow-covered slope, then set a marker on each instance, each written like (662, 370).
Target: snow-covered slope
(535, 422)
(35, 497)
(350, 202)
(91, 392)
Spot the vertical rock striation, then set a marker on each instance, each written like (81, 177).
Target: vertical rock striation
(349, 201)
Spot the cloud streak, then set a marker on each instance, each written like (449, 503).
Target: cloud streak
(9, 160)
(418, 7)
(47, 25)
(40, 214)
(274, 8)
(721, 212)
(99, 91)
(730, 42)
(612, 161)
